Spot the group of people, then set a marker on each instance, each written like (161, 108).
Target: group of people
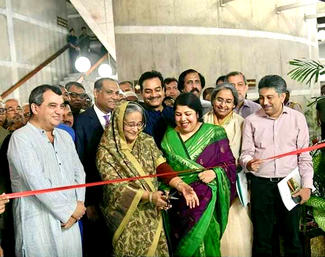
(193, 150)
(78, 45)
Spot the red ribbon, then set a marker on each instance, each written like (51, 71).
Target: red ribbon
(106, 182)
(307, 149)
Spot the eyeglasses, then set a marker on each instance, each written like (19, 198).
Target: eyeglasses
(139, 125)
(220, 100)
(27, 114)
(12, 109)
(75, 95)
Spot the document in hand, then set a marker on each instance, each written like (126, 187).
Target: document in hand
(242, 188)
(288, 186)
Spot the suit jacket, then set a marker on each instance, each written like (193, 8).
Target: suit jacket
(89, 131)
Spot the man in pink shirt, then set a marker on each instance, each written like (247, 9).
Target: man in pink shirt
(273, 130)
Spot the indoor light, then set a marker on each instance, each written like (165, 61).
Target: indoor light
(105, 70)
(82, 64)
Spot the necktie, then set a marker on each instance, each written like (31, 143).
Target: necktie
(107, 119)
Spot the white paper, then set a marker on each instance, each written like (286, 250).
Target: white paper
(285, 190)
(242, 188)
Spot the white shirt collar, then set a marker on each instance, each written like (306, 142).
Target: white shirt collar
(100, 116)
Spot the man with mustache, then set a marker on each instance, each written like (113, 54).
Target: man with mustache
(15, 116)
(273, 130)
(89, 128)
(192, 81)
(245, 107)
(158, 117)
(78, 96)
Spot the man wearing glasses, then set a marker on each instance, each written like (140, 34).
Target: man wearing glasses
(245, 107)
(14, 115)
(77, 95)
(3, 131)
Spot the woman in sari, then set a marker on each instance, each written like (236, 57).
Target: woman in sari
(132, 209)
(224, 99)
(196, 145)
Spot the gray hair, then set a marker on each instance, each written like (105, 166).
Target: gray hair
(134, 107)
(223, 86)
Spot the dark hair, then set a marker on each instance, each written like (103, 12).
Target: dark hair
(222, 87)
(73, 83)
(36, 96)
(169, 80)
(221, 78)
(235, 73)
(207, 91)
(72, 29)
(83, 27)
(150, 75)
(167, 98)
(190, 100)
(181, 79)
(99, 83)
(126, 81)
(273, 81)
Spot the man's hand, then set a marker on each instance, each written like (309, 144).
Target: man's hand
(304, 193)
(69, 223)
(79, 211)
(3, 200)
(254, 165)
(92, 213)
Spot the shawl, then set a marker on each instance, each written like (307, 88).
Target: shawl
(122, 201)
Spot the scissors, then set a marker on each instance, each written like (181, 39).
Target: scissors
(171, 196)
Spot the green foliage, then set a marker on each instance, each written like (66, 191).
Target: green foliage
(306, 70)
(319, 174)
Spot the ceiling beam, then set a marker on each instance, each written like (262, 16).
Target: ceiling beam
(224, 2)
(298, 4)
(314, 16)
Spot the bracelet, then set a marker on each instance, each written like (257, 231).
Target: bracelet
(150, 197)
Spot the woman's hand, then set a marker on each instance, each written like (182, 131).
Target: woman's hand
(189, 194)
(207, 176)
(159, 199)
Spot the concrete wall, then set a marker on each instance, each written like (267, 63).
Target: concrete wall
(246, 35)
(29, 35)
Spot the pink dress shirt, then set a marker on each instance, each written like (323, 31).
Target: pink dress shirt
(264, 137)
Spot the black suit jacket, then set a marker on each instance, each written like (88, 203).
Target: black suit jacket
(88, 135)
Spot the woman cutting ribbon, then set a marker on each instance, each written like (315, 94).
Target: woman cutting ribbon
(132, 209)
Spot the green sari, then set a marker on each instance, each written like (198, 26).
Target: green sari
(208, 147)
(136, 226)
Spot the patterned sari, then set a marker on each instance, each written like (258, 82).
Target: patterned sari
(136, 226)
(197, 231)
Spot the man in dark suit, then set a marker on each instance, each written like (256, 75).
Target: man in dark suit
(89, 128)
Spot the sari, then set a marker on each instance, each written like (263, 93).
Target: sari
(136, 226)
(197, 231)
(239, 225)
(233, 124)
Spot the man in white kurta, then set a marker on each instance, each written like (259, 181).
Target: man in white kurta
(41, 156)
